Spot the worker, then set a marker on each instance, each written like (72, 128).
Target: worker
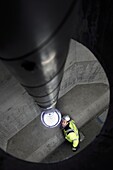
(70, 131)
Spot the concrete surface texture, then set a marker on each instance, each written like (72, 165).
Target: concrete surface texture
(81, 67)
(35, 141)
(89, 132)
(18, 110)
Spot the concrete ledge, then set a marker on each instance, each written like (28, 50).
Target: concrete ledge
(35, 142)
(46, 148)
(95, 108)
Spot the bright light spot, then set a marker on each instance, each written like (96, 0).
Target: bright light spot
(51, 118)
(48, 60)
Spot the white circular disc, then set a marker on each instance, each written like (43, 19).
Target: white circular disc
(51, 118)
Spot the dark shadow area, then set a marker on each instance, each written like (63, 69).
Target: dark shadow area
(28, 65)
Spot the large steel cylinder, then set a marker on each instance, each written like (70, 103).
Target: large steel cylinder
(34, 45)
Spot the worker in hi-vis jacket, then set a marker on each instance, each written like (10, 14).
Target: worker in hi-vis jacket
(70, 131)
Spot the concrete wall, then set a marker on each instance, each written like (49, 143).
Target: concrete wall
(17, 108)
(81, 67)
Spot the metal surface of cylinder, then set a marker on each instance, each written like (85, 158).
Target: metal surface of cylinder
(35, 44)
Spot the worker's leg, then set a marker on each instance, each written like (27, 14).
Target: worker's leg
(75, 142)
(73, 138)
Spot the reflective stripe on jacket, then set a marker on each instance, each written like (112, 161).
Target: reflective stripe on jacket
(72, 134)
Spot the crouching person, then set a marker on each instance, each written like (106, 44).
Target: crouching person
(70, 131)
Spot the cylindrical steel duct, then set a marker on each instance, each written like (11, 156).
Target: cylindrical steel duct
(34, 44)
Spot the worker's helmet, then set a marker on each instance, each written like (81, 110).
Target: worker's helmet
(66, 117)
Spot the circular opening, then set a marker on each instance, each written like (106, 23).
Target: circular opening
(51, 118)
(23, 135)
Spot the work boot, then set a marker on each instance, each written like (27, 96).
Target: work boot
(74, 149)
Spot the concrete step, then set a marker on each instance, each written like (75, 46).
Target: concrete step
(88, 132)
(82, 103)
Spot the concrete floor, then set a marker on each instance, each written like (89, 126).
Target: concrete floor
(88, 133)
(64, 151)
(35, 142)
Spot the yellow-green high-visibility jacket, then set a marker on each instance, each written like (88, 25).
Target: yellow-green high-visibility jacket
(71, 133)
